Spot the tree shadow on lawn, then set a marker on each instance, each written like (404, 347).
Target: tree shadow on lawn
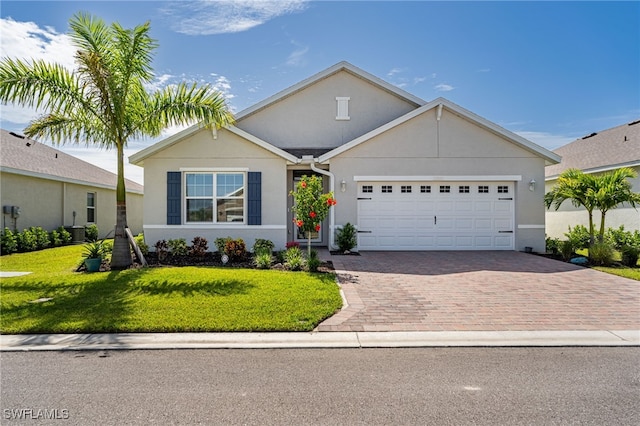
(104, 304)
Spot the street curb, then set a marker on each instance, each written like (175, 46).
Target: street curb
(315, 340)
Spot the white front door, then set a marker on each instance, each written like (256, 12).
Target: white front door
(436, 215)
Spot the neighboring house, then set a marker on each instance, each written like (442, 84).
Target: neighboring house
(52, 189)
(598, 152)
(410, 174)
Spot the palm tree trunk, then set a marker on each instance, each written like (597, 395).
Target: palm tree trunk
(591, 229)
(601, 234)
(121, 255)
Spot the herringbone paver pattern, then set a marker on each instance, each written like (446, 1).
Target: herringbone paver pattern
(450, 291)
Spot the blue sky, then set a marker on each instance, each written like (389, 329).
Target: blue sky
(549, 71)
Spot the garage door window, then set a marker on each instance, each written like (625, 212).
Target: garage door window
(425, 189)
(367, 189)
(463, 189)
(503, 189)
(387, 189)
(445, 189)
(405, 189)
(483, 189)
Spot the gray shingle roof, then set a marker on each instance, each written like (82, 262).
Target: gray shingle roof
(611, 148)
(23, 155)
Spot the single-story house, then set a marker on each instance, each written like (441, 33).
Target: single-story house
(603, 151)
(409, 174)
(43, 186)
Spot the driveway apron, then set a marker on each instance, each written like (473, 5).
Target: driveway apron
(480, 291)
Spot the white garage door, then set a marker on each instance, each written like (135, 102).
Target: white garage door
(435, 215)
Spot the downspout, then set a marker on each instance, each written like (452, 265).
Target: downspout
(309, 159)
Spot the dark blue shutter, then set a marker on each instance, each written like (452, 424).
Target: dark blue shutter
(254, 198)
(174, 198)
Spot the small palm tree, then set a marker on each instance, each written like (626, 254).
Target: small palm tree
(577, 186)
(104, 101)
(614, 189)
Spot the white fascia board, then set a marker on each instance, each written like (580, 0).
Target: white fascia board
(475, 178)
(266, 145)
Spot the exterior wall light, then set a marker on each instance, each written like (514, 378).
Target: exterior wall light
(532, 185)
(343, 186)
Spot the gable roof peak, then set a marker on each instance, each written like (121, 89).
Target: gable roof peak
(327, 72)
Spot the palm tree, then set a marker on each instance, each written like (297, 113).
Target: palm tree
(577, 186)
(104, 102)
(614, 189)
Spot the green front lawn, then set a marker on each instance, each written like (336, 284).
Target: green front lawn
(158, 299)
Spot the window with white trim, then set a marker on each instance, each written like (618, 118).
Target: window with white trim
(91, 207)
(215, 197)
(342, 108)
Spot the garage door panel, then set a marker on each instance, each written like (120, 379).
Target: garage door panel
(473, 220)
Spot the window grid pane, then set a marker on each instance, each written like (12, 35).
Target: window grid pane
(425, 189)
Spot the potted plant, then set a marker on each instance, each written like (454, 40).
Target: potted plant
(93, 254)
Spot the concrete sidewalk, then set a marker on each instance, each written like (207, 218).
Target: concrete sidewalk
(136, 341)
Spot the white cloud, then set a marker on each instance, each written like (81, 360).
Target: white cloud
(395, 71)
(443, 87)
(297, 57)
(207, 17)
(26, 40)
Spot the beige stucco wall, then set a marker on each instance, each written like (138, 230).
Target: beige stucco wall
(558, 222)
(201, 151)
(308, 119)
(50, 204)
(452, 146)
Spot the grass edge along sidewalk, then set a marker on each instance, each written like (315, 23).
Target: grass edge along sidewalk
(55, 299)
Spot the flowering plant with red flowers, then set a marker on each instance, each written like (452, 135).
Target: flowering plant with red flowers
(310, 205)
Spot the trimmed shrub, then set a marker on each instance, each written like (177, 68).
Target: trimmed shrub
(54, 236)
(313, 262)
(235, 249)
(601, 253)
(221, 243)
(347, 237)
(91, 232)
(27, 241)
(552, 245)
(579, 237)
(630, 255)
(199, 247)
(178, 247)
(262, 245)
(8, 242)
(41, 236)
(293, 259)
(263, 259)
(65, 236)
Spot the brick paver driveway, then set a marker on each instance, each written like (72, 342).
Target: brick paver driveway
(495, 290)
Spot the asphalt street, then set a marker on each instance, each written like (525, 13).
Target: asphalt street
(323, 386)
